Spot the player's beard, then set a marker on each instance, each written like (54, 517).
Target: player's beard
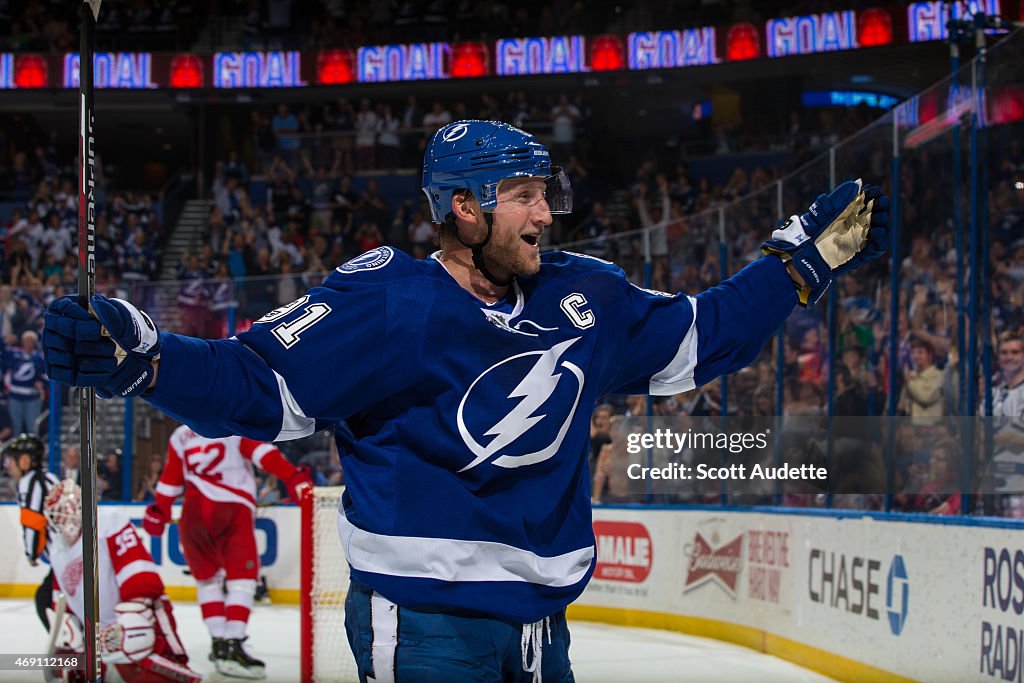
(507, 251)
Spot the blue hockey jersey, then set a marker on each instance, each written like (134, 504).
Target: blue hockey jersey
(467, 479)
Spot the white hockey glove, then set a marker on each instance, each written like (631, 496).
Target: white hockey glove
(133, 636)
(840, 231)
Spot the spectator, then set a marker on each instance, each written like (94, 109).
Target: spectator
(146, 491)
(368, 237)
(921, 397)
(321, 200)
(110, 475)
(564, 117)
(437, 117)
(285, 126)
(366, 125)
(421, 234)
(71, 464)
(611, 483)
(600, 426)
(222, 299)
(1008, 411)
(235, 168)
(193, 296)
(137, 260)
(388, 140)
(939, 494)
(25, 383)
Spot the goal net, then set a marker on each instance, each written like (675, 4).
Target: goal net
(326, 656)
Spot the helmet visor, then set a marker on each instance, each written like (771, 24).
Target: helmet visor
(558, 191)
(554, 189)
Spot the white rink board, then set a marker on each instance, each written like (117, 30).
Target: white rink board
(752, 577)
(277, 537)
(716, 565)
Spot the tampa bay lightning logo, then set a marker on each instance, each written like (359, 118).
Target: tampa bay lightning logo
(537, 385)
(371, 260)
(455, 132)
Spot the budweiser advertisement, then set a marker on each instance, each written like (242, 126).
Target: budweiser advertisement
(711, 560)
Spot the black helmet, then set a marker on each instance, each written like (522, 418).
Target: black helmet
(28, 444)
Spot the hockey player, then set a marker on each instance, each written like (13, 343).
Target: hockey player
(218, 534)
(137, 632)
(24, 458)
(467, 380)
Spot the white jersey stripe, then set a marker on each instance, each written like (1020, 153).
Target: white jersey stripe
(384, 626)
(135, 567)
(212, 491)
(169, 490)
(260, 452)
(452, 559)
(677, 376)
(294, 424)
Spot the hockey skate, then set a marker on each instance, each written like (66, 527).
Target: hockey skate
(235, 661)
(217, 650)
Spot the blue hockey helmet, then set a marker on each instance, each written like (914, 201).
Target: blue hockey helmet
(477, 156)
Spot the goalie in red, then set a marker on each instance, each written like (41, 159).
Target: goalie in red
(218, 534)
(137, 631)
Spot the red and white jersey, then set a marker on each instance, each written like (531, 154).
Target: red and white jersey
(218, 469)
(126, 569)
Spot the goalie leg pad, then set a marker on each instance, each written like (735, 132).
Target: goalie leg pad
(167, 628)
(157, 669)
(71, 636)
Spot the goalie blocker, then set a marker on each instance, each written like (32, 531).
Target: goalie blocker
(137, 631)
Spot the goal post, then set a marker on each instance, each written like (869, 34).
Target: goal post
(325, 653)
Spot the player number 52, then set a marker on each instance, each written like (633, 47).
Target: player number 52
(288, 333)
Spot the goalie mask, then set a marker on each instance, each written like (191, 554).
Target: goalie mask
(63, 510)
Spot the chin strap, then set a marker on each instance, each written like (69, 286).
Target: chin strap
(478, 250)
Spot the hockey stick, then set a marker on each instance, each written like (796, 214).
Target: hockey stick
(49, 675)
(86, 288)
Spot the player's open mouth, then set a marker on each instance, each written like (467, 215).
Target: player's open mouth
(531, 239)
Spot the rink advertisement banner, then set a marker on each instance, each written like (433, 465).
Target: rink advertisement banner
(277, 540)
(856, 598)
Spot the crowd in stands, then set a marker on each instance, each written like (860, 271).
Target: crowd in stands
(929, 447)
(49, 26)
(299, 198)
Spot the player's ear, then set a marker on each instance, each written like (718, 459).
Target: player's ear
(464, 206)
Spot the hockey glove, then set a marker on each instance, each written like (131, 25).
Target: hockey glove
(155, 520)
(299, 484)
(840, 231)
(115, 353)
(133, 636)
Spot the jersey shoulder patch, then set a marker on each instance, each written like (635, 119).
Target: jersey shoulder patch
(374, 267)
(374, 259)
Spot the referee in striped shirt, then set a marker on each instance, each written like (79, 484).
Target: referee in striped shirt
(24, 461)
